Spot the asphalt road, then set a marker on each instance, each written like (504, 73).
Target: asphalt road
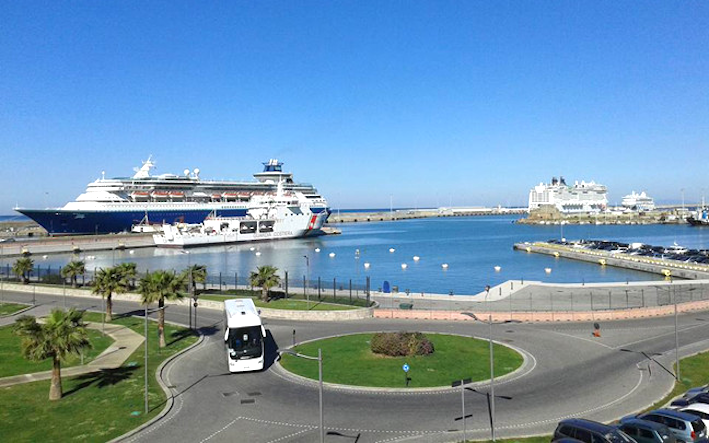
(568, 373)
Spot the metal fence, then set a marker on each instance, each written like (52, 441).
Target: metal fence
(341, 291)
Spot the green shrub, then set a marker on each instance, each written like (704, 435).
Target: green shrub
(53, 279)
(401, 344)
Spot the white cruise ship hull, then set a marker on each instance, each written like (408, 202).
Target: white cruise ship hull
(226, 230)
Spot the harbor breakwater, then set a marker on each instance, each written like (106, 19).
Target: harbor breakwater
(407, 214)
(665, 267)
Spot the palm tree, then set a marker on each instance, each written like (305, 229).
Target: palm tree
(63, 333)
(266, 278)
(22, 268)
(108, 282)
(73, 270)
(128, 272)
(157, 287)
(199, 275)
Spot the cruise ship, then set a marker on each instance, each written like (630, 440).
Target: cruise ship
(638, 202)
(582, 197)
(116, 204)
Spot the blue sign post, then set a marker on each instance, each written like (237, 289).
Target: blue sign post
(406, 374)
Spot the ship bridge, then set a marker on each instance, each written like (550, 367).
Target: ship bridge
(273, 173)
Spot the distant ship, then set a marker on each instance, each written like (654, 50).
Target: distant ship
(700, 217)
(269, 217)
(116, 204)
(638, 202)
(581, 197)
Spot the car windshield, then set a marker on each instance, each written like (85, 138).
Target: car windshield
(245, 342)
(618, 436)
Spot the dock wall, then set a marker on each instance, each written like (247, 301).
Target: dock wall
(668, 268)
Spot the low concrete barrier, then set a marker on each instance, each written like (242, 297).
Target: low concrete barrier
(548, 316)
(282, 314)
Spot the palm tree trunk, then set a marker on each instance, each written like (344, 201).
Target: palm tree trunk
(161, 321)
(73, 281)
(109, 308)
(55, 389)
(264, 294)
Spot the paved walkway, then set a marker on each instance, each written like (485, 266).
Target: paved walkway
(126, 342)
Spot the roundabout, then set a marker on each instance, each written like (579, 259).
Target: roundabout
(348, 362)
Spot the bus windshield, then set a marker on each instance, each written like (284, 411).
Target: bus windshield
(245, 342)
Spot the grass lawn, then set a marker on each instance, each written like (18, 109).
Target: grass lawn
(10, 308)
(286, 303)
(694, 372)
(348, 360)
(96, 407)
(12, 362)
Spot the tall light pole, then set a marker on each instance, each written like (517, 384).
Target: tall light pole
(674, 298)
(491, 397)
(462, 384)
(307, 273)
(356, 266)
(189, 283)
(145, 363)
(319, 359)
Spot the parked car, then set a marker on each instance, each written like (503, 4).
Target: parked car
(701, 410)
(589, 431)
(687, 428)
(644, 431)
(702, 397)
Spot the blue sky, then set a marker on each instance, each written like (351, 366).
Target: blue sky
(428, 102)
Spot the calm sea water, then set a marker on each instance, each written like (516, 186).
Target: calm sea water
(471, 246)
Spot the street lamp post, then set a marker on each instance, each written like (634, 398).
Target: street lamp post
(307, 273)
(145, 363)
(674, 298)
(189, 289)
(462, 384)
(491, 397)
(320, 383)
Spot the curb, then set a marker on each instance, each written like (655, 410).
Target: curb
(519, 372)
(18, 312)
(170, 398)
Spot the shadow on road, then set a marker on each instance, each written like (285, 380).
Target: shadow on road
(271, 348)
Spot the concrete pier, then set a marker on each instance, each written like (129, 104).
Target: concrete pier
(665, 267)
(77, 243)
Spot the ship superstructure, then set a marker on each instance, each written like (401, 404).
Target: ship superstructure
(115, 204)
(580, 197)
(638, 202)
(269, 217)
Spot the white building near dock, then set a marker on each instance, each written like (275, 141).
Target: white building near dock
(582, 197)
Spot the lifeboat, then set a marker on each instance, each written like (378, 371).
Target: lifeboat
(230, 196)
(216, 197)
(160, 195)
(140, 195)
(177, 195)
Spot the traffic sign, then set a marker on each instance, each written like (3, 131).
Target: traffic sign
(405, 367)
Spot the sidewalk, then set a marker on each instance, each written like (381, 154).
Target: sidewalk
(126, 342)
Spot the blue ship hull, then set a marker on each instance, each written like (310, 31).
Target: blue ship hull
(67, 222)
